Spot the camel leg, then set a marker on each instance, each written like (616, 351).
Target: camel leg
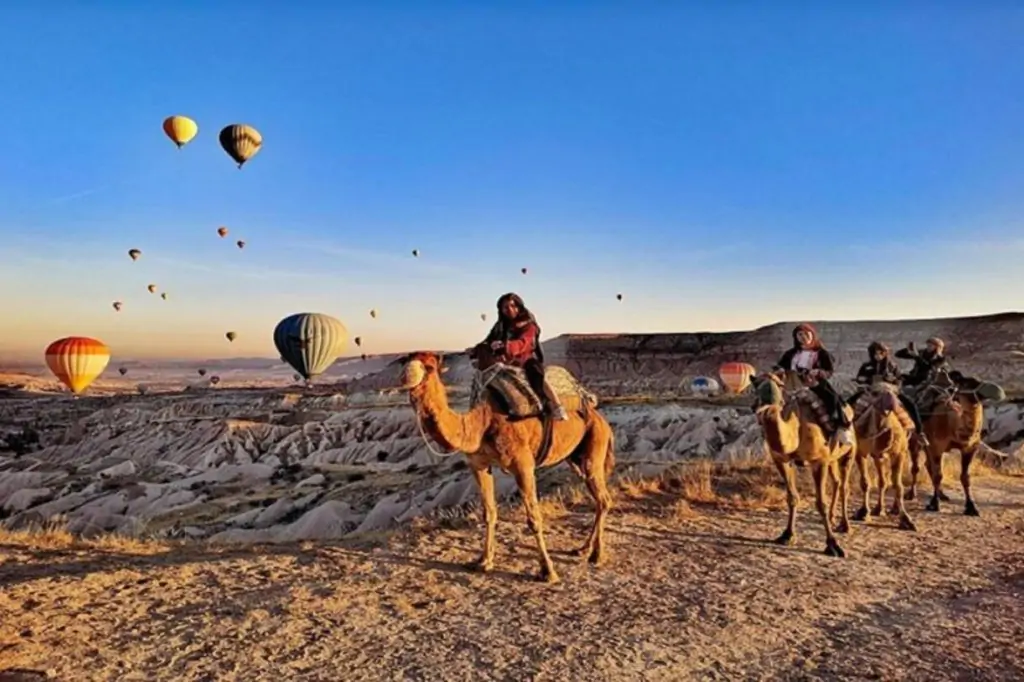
(833, 475)
(594, 476)
(915, 468)
(845, 464)
(792, 500)
(527, 482)
(883, 485)
(934, 462)
(485, 482)
(820, 472)
(966, 457)
(898, 509)
(865, 489)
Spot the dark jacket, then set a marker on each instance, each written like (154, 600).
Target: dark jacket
(824, 362)
(924, 365)
(521, 336)
(885, 369)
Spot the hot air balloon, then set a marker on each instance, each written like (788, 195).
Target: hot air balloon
(240, 244)
(310, 342)
(358, 340)
(122, 370)
(164, 295)
(152, 288)
(181, 129)
(215, 380)
(134, 254)
(241, 142)
(483, 317)
(202, 372)
(222, 231)
(618, 296)
(704, 386)
(77, 361)
(230, 336)
(736, 375)
(373, 314)
(523, 270)
(416, 253)
(117, 306)
(297, 377)
(363, 357)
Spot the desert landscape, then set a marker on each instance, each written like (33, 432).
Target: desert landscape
(261, 529)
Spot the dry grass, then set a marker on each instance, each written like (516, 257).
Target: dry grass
(55, 536)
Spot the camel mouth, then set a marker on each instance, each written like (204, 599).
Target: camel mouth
(413, 374)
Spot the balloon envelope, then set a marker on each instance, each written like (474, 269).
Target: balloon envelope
(77, 361)
(241, 142)
(704, 386)
(736, 375)
(310, 342)
(181, 129)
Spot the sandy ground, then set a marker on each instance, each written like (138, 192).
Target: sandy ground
(691, 591)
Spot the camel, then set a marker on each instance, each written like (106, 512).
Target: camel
(882, 434)
(953, 422)
(490, 436)
(794, 435)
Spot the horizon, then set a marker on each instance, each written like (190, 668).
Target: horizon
(722, 168)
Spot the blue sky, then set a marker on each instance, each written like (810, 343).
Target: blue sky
(721, 167)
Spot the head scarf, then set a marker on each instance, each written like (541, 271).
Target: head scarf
(815, 343)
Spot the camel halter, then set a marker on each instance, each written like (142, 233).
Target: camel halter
(430, 441)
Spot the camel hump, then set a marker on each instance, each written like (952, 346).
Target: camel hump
(510, 385)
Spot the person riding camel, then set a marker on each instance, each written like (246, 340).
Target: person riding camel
(515, 338)
(880, 367)
(926, 362)
(813, 364)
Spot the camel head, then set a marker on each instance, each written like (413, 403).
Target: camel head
(418, 366)
(767, 392)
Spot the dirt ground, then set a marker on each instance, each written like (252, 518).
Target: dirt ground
(692, 590)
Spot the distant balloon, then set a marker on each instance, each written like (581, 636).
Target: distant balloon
(618, 296)
(77, 361)
(222, 231)
(416, 253)
(297, 377)
(117, 306)
(202, 372)
(523, 270)
(241, 142)
(704, 386)
(152, 288)
(483, 317)
(363, 357)
(215, 380)
(736, 375)
(181, 129)
(373, 314)
(134, 254)
(240, 244)
(358, 340)
(164, 295)
(122, 370)
(310, 342)
(231, 336)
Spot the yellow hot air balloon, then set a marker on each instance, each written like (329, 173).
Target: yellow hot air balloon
(241, 142)
(152, 288)
(181, 129)
(134, 254)
(230, 336)
(222, 231)
(77, 361)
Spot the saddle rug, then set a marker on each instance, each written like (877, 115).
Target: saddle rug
(510, 385)
(883, 399)
(806, 396)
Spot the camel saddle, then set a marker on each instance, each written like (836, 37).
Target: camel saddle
(509, 385)
(883, 397)
(806, 396)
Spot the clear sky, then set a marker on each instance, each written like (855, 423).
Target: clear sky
(721, 167)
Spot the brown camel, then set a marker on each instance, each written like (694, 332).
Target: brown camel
(882, 435)
(489, 436)
(953, 421)
(793, 433)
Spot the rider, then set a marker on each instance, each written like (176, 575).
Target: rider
(814, 365)
(925, 362)
(881, 367)
(515, 338)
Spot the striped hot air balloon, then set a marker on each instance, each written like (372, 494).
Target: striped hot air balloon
(77, 361)
(736, 375)
(310, 342)
(241, 142)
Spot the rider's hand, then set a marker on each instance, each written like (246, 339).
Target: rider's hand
(911, 347)
(497, 345)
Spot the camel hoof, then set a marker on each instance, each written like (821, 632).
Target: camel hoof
(548, 576)
(943, 496)
(843, 527)
(933, 504)
(785, 539)
(906, 523)
(876, 510)
(970, 509)
(894, 510)
(596, 558)
(910, 495)
(832, 548)
(481, 565)
(860, 514)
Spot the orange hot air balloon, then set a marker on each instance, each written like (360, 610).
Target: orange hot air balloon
(736, 375)
(222, 231)
(152, 288)
(77, 361)
(181, 129)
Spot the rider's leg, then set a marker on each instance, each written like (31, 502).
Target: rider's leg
(534, 371)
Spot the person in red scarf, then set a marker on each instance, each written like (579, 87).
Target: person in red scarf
(515, 339)
(812, 362)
